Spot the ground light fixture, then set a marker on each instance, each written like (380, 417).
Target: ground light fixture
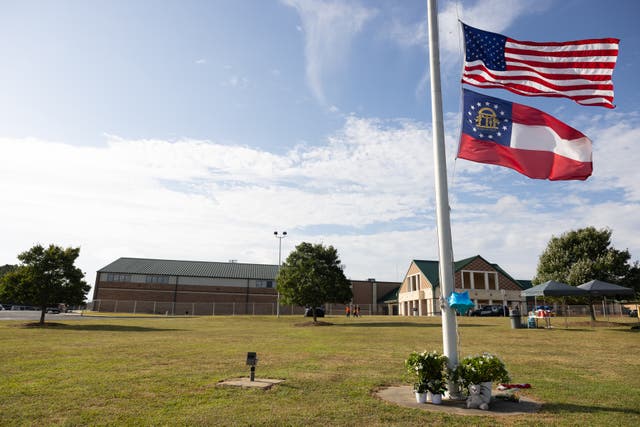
(252, 360)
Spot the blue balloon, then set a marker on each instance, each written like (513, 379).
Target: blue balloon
(460, 302)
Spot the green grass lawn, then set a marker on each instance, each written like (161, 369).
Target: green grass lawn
(163, 371)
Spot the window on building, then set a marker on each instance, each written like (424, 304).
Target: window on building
(413, 283)
(264, 283)
(157, 279)
(480, 280)
(116, 277)
(492, 281)
(466, 280)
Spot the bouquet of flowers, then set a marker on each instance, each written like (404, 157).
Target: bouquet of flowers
(427, 371)
(480, 368)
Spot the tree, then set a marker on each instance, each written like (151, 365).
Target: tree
(311, 276)
(579, 256)
(7, 268)
(45, 277)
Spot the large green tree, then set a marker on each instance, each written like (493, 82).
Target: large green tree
(313, 275)
(579, 256)
(46, 276)
(7, 268)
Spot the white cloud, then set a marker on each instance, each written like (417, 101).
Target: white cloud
(616, 157)
(368, 191)
(490, 15)
(236, 81)
(328, 27)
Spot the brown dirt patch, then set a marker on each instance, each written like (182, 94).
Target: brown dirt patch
(311, 323)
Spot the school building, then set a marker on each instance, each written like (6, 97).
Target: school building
(140, 285)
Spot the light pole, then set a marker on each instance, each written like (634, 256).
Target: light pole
(279, 237)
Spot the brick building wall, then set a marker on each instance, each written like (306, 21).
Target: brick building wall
(202, 294)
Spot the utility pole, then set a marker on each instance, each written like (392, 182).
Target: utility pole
(279, 237)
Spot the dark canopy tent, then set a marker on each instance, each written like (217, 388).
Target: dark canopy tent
(553, 289)
(605, 289)
(598, 288)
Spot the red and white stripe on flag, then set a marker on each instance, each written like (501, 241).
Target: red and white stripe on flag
(580, 70)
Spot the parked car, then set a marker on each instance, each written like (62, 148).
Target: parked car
(24, 307)
(308, 312)
(54, 310)
(488, 310)
(633, 313)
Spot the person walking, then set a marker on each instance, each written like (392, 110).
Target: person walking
(347, 310)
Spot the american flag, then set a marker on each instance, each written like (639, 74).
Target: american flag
(580, 70)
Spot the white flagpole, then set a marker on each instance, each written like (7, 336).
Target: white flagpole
(445, 247)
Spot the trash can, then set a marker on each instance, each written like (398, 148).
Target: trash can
(514, 315)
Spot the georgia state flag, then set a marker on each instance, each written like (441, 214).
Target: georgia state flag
(522, 138)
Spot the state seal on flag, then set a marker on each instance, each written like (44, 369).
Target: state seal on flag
(488, 120)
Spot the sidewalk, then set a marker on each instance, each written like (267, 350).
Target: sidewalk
(404, 396)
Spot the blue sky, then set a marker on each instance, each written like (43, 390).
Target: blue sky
(194, 129)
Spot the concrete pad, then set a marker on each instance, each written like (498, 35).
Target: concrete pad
(261, 383)
(404, 396)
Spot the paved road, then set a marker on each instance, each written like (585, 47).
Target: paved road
(35, 315)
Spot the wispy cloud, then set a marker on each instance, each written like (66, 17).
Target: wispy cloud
(328, 27)
(493, 15)
(371, 183)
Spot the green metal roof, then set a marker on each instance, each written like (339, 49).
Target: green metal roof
(390, 297)
(525, 284)
(227, 270)
(431, 270)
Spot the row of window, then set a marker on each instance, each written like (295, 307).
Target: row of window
(264, 283)
(157, 279)
(480, 280)
(116, 277)
(470, 280)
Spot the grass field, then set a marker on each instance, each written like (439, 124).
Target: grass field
(164, 371)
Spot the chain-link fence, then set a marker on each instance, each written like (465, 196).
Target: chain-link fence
(254, 308)
(223, 308)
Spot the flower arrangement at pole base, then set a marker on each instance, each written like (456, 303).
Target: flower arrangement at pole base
(480, 368)
(427, 371)
(476, 373)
